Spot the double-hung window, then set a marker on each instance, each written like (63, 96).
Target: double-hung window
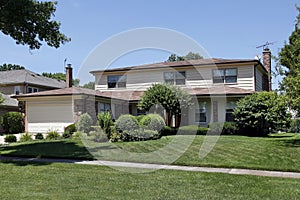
(200, 113)
(175, 78)
(104, 107)
(116, 81)
(225, 75)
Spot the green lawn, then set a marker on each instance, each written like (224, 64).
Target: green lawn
(278, 152)
(21, 180)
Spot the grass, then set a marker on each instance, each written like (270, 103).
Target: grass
(277, 152)
(70, 181)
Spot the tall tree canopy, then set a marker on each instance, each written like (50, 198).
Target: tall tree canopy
(189, 56)
(29, 23)
(172, 98)
(289, 58)
(61, 77)
(7, 67)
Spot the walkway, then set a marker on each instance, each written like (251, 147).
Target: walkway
(159, 166)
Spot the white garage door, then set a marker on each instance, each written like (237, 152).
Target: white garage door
(43, 117)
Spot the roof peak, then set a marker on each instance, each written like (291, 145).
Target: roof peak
(204, 61)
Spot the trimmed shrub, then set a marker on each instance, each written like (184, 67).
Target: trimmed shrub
(39, 136)
(166, 130)
(70, 129)
(98, 136)
(126, 123)
(105, 122)
(152, 122)
(216, 128)
(192, 130)
(10, 138)
(12, 122)
(139, 118)
(52, 135)
(135, 135)
(26, 137)
(84, 123)
(223, 128)
(295, 126)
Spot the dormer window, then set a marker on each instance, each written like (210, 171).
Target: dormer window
(175, 78)
(116, 81)
(225, 75)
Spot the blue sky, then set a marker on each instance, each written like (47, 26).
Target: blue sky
(226, 29)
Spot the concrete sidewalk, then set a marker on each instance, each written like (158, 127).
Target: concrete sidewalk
(161, 166)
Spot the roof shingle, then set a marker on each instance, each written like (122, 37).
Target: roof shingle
(29, 77)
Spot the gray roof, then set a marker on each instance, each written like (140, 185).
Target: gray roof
(28, 77)
(8, 101)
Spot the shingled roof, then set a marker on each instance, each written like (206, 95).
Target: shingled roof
(199, 62)
(8, 101)
(128, 95)
(28, 77)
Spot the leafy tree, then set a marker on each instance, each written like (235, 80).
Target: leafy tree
(172, 98)
(89, 85)
(7, 67)
(189, 56)
(61, 77)
(256, 114)
(29, 23)
(289, 58)
(58, 76)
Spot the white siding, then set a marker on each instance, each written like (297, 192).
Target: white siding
(245, 79)
(42, 117)
(199, 77)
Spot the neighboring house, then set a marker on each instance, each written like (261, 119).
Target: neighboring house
(15, 82)
(18, 82)
(215, 85)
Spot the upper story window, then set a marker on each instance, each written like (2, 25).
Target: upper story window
(116, 81)
(32, 89)
(225, 75)
(17, 90)
(175, 78)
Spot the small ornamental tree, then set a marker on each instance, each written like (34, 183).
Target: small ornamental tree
(172, 98)
(261, 112)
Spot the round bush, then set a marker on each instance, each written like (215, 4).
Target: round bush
(10, 138)
(84, 123)
(126, 123)
(153, 122)
(70, 129)
(12, 122)
(39, 136)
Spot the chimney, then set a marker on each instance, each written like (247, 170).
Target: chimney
(267, 65)
(69, 76)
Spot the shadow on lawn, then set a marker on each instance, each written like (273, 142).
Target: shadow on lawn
(48, 149)
(291, 143)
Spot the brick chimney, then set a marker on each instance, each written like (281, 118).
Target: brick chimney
(267, 64)
(69, 76)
